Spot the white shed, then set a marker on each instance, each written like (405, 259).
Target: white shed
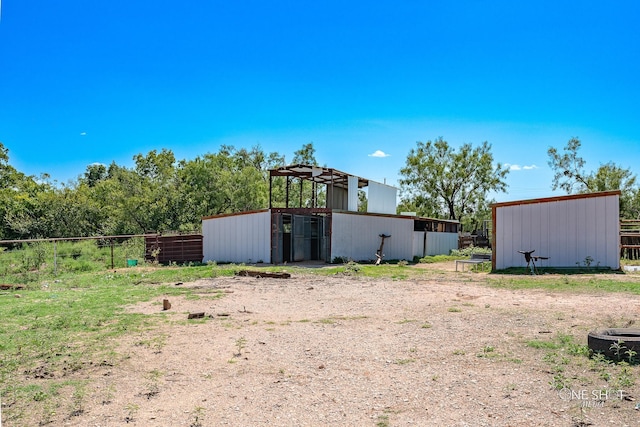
(337, 230)
(573, 230)
(239, 238)
(287, 235)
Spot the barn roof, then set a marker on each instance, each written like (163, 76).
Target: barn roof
(319, 174)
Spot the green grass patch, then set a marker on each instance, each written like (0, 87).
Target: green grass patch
(543, 344)
(64, 325)
(567, 283)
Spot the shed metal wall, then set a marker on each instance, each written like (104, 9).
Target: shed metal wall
(567, 230)
(433, 243)
(357, 236)
(440, 243)
(340, 198)
(353, 193)
(238, 238)
(381, 198)
(418, 243)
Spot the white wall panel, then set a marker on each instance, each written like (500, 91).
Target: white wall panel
(353, 193)
(418, 243)
(237, 238)
(381, 198)
(567, 231)
(441, 243)
(356, 236)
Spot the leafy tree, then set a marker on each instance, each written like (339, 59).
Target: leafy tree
(363, 203)
(20, 204)
(568, 168)
(228, 181)
(570, 176)
(7, 172)
(440, 181)
(142, 199)
(95, 173)
(305, 155)
(69, 211)
(301, 192)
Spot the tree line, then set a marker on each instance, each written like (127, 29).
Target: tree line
(159, 193)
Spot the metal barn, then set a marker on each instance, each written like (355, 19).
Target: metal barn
(337, 230)
(575, 230)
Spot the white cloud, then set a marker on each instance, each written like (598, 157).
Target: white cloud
(519, 168)
(83, 133)
(379, 153)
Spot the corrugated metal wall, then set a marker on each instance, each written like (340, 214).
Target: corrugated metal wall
(440, 243)
(238, 238)
(567, 231)
(436, 243)
(356, 236)
(418, 243)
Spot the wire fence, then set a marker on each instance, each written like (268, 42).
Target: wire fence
(29, 260)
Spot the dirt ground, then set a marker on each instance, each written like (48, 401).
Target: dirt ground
(352, 351)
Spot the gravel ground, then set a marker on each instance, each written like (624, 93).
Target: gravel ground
(352, 351)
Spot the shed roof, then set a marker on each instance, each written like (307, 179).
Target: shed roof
(318, 174)
(557, 198)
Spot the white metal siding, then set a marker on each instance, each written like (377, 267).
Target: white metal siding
(566, 231)
(381, 198)
(357, 237)
(418, 243)
(237, 238)
(441, 243)
(353, 193)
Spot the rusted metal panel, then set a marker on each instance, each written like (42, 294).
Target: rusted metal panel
(174, 248)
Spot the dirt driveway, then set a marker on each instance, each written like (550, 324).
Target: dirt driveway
(350, 351)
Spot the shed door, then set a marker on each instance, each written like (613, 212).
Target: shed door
(298, 237)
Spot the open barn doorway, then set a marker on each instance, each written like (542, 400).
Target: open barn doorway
(297, 238)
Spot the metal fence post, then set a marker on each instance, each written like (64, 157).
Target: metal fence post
(55, 257)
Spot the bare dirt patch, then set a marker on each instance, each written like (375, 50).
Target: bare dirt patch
(352, 351)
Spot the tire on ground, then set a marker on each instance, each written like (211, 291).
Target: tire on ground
(602, 340)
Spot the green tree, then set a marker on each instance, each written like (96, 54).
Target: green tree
(305, 155)
(442, 182)
(301, 191)
(228, 181)
(95, 173)
(570, 176)
(142, 199)
(363, 203)
(568, 168)
(21, 205)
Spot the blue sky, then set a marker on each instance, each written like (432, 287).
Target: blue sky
(84, 82)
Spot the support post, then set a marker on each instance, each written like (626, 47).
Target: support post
(55, 257)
